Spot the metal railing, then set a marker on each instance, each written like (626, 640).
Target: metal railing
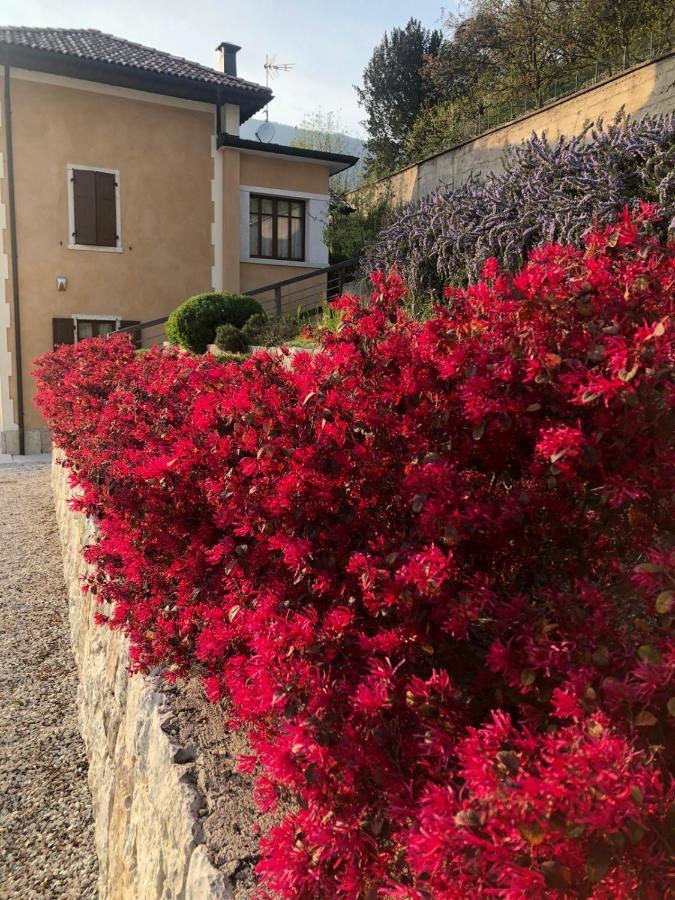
(571, 81)
(303, 295)
(307, 292)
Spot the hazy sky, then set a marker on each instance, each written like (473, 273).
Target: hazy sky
(330, 43)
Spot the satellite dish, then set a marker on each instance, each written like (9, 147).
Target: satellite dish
(265, 132)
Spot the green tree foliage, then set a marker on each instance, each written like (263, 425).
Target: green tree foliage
(509, 54)
(325, 131)
(353, 225)
(436, 128)
(395, 88)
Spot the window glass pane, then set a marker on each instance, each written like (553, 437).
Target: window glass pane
(255, 243)
(267, 235)
(84, 329)
(255, 204)
(283, 246)
(282, 207)
(267, 205)
(105, 328)
(297, 250)
(297, 209)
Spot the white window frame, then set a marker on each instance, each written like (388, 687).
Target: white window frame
(90, 317)
(70, 169)
(316, 212)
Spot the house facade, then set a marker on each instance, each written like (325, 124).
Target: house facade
(125, 188)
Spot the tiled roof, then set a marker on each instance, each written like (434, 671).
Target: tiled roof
(96, 46)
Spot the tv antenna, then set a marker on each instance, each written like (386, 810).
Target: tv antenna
(272, 70)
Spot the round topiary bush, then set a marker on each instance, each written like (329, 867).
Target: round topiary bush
(230, 339)
(193, 325)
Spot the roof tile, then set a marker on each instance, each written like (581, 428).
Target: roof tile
(90, 44)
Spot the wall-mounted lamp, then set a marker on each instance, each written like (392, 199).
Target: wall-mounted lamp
(61, 282)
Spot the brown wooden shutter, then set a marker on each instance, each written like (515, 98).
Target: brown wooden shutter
(106, 214)
(63, 331)
(84, 206)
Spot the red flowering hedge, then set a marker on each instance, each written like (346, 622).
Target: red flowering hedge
(430, 566)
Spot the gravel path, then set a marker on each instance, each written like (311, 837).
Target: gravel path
(46, 829)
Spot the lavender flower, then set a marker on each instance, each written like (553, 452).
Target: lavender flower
(548, 192)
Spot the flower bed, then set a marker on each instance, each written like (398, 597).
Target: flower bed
(428, 565)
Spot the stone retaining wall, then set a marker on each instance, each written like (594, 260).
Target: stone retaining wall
(149, 837)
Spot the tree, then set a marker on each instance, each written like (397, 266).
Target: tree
(610, 31)
(395, 88)
(436, 128)
(321, 131)
(472, 53)
(325, 131)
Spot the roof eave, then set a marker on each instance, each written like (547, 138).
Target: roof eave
(336, 162)
(249, 101)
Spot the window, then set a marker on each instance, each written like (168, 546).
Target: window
(87, 328)
(78, 328)
(94, 209)
(277, 228)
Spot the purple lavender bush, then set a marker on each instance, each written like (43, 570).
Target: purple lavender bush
(548, 192)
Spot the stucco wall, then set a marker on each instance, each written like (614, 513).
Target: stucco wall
(149, 837)
(273, 171)
(647, 89)
(163, 154)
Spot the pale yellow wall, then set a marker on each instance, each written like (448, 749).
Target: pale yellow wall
(163, 154)
(283, 174)
(642, 91)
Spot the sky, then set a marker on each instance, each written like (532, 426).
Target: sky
(330, 44)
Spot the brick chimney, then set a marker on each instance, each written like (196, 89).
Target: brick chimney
(226, 58)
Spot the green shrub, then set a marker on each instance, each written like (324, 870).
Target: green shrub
(230, 339)
(193, 325)
(255, 327)
(231, 357)
(352, 226)
(276, 330)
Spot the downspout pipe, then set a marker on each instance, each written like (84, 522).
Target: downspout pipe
(219, 126)
(9, 150)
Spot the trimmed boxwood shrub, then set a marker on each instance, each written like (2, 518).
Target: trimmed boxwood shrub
(193, 325)
(230, 339)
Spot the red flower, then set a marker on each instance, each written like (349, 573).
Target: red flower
(429, 567)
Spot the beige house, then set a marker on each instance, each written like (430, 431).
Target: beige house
(125, 188)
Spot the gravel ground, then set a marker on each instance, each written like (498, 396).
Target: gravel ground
(46, 828)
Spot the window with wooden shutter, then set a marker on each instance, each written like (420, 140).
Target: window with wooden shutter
(63, 331)
(94, 208)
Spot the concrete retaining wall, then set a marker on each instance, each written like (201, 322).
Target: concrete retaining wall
(149, 838)
(644, 90)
